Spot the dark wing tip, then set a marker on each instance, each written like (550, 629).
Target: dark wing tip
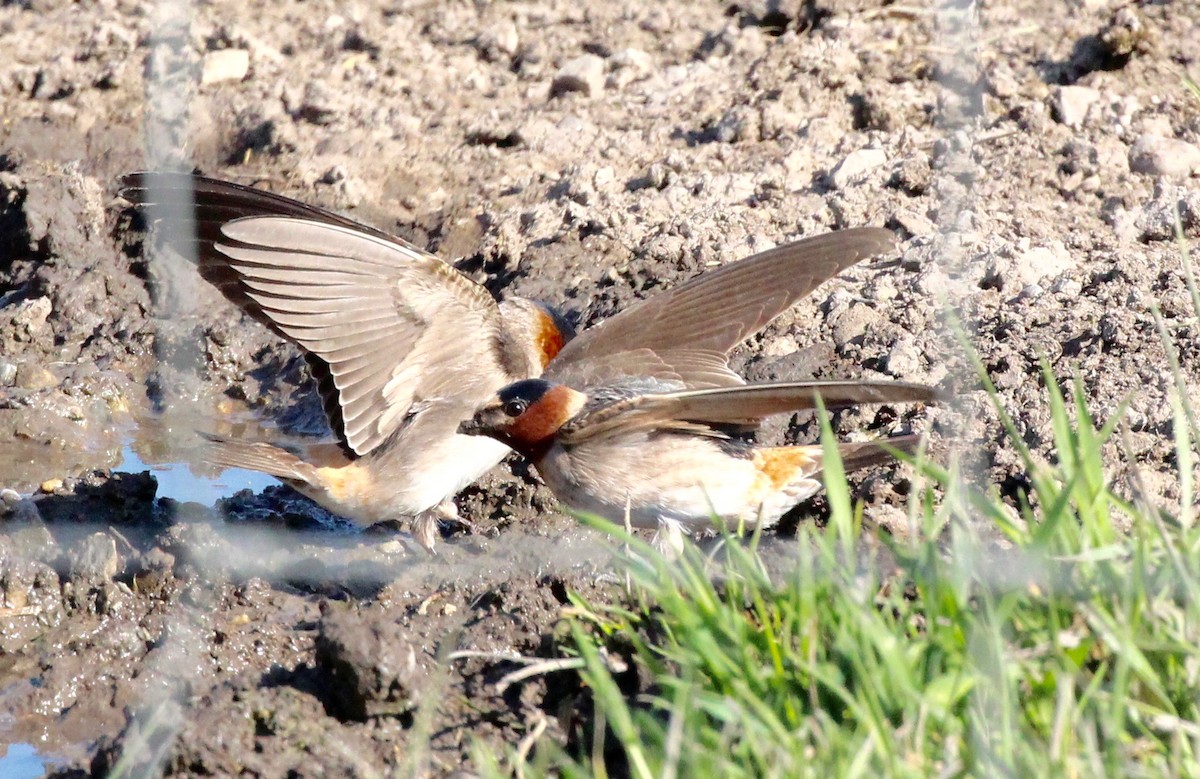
(913, 393)
(133, 187)
(884, 238)
(850, 246)
(880, 451)
(838, 395)
(136, 185)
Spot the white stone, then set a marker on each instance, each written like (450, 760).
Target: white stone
(781, 346)
(32, 313)
(1155, 155)
(583, 74)
(225, 65)
(1042, 262)
(734, 187)
(629, 65)
(1071, 104)
(904, 359)
(1068, 287)
(499, 40)
(913, 223)
(855, 165)
(603, 177)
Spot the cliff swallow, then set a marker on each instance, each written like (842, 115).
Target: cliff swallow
(656, 454)
(641, 416)
(402, 346)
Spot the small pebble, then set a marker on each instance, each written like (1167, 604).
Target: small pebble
(904, 359)
(1068, 286)
(32, 313)
(225, 65)
(853, 323)
(1155, 155)
(1071, 104)
(629, 65)
(740, 123)
(34, 377)
(913, 223)
(583, 74)
(1041, 262)
(95, 557)
(855, 165)
(499, 41)
(318, 105)
(392, 547)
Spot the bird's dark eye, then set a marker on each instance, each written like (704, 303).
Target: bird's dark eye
(516, 407)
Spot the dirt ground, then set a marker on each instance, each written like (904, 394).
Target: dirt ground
(584, 153)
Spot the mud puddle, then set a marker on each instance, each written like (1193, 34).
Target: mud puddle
(187, 481)
(175, 462)
(23, 761)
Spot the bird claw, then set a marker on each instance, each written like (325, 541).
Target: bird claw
(425, 526)
(447, 511)
(425, 531)
(668, 539)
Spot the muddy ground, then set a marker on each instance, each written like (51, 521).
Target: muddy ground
(588, 154)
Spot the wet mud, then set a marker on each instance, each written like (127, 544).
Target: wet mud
(1032, 164)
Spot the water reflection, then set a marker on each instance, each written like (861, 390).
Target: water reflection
(164, 444)
(21, 761)
(183, 481)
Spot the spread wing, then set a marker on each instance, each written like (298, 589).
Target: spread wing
(696, 368)
(691, 325)
(386, 327)
(698, 410)
(395, 328)
(189, 212)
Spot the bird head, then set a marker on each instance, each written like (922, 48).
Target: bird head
(539, 329)
(526, 415)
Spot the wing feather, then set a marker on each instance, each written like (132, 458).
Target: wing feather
(734, 405)
(191, 211)
(383, 324)
(393, 325)
(719, 309)
(694, 368)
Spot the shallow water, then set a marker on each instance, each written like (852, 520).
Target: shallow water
(147, 444)
(21, 761)
(182, 482)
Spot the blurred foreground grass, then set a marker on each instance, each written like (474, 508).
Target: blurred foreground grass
(1060, 640)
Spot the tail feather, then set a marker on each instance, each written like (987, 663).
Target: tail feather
(787, 466)
(865, 454)
(255, 456)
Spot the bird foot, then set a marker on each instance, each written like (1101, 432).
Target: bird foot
(668, 539)
(425, 526)
(424, 531)
(447, 511)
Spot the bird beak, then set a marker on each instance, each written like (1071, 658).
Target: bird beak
(486, 421)
(472, 426)
(489, 420)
